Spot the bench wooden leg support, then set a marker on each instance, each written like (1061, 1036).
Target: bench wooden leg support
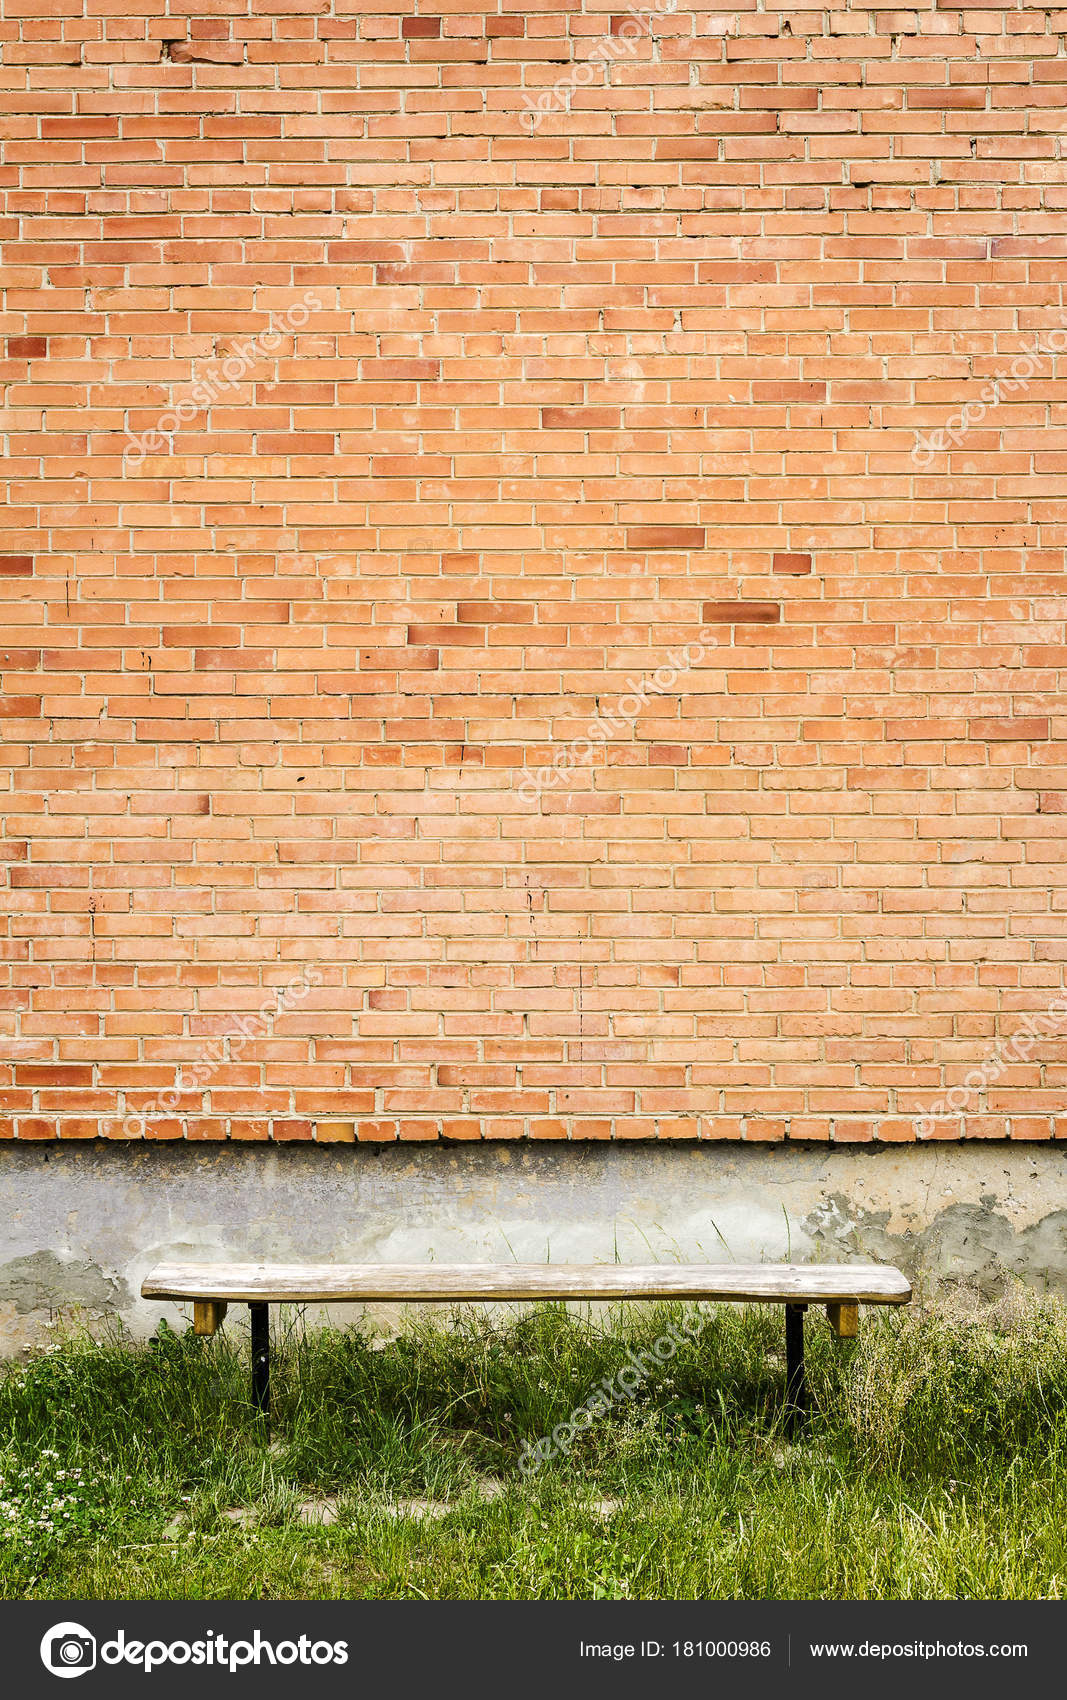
(796, 1385)
(208, 1315)
(844, 1319)
(260, 1316)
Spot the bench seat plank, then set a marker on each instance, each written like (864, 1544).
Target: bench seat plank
(301, 1283)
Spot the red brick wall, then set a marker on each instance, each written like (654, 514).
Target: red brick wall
(513, 352)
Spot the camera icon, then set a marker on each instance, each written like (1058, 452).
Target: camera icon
(68, 1649)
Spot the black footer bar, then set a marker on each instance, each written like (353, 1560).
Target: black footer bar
(545, 1648)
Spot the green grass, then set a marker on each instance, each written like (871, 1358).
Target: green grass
(935, 1465)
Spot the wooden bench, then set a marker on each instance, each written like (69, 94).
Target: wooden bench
(841, 1287)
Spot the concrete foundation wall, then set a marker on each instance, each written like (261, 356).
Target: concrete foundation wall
(82, 1224)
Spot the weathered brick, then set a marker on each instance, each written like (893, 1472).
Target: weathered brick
(742, 613)
(1010, 729)
(26, 347)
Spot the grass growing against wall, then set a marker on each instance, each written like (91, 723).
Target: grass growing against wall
(935, 1465)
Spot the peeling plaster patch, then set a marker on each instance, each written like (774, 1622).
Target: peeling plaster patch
(839, 1225)
(46, 1282)
(971, 1243)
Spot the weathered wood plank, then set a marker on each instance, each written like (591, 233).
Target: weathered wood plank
(845, 1283)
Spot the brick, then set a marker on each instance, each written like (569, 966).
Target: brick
(580, 418)
(26, 347)
(494, 613)
(335, 1132)
(1009, 730)
(16, 566)
(794, 564)
(665, 537)
(742, 613)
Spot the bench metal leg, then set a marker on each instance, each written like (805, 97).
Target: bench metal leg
(260, 1315)
(796, 1385)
